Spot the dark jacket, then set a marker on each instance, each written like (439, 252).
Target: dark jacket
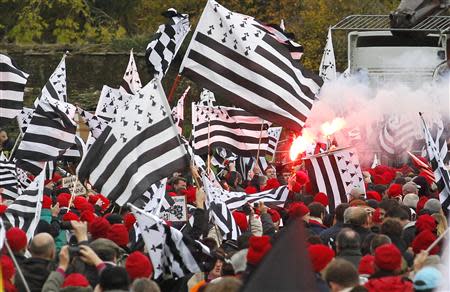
(328, 236)
(35, 272)
(351, 255)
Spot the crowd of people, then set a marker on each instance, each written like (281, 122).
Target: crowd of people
(382, 239)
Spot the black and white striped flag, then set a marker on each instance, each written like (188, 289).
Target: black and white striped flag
(8, 179)
(232, 56)
(441, 174)
(25, 211)
(12, 86)
(178, 111)
(56, 86)
(50, 133)
(165, 43)
(172, 253)
(131, 82)
(274, 136)
(235, 200)
(139, 147)
(335, 173)
(231, 128)
(397, 135)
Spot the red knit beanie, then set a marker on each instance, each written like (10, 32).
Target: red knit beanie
(366, 265)
(321, 198)
(388, 257)
(46, 202)
(297, 209)
(63, 200)
(16, 238)
(129, 220)
(272, 183)
(274, 214)
(119, 234)
(395, 190)
(258, 248)
(75, 280)
(69, 216)
(320, 255)
(138, 265)
(87, 216)
(241, 220)
(423, 240)
(99, 228)
(250, 190)
(425, 222)
(373, 195)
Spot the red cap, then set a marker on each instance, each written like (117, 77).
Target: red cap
(395, 190)
(423, 240)
(17, 239)
(321, 198)
(388, 257)
(274, 214)
(138, 265)
(241, 220)
(99, 228)
(297, 209)
(63, 199)
(75, 280)
(119, 234)
(320, 255)
(258, 247)
(373, 195)
(129, 220)
(425, 222)
(250, 190)
(366, 265)
(46, 202)
(69, 216)
(272, 183)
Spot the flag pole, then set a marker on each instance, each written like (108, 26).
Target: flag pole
(19, 271)
(174, 87)
(259, 142)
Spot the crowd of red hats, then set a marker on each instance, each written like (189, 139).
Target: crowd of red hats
(380, 240)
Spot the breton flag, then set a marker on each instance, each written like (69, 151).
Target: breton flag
(234, 200)
(231, 128)
(25, 211)
(56, 86)
(232, 55)
(139, 147)
(24, 118)
(178, 111)
(335, 173)
(397, 135)
(131, 83)
(50, 133)
(165, 43)
(8, 179)
(328, 63)
(274, 136)
(172, 253)
(441, 174)
(12, 86)
(110, 101)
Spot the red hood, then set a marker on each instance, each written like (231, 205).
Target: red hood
(391, 284)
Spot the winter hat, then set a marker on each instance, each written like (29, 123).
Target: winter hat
(8, 269)
(421, 203)
(241, 220)
(250, 190)
(99, 228)
(138, 265)
(271, 184)
(274, 214)
(63, 199)
(411, 200)
(366, 265)
(87, 216)
(129, 220)
(320, 255)
(119, 234)
(46, 202)
(427, 278)
(258, 247)
(297, 209)
(425, 222)
(17, 239)
(321, 198)
(423, 240)
(75, 280)
(433, 205)
(373, 195)
(69, 216)
(388, 257)
(395, 190)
